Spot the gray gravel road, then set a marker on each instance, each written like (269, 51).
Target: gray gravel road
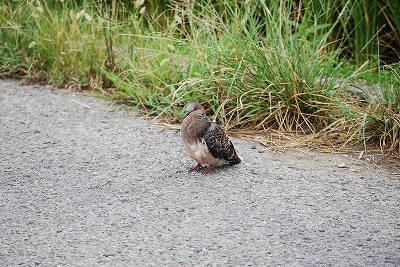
(84, 185)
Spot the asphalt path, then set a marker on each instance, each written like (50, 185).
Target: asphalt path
(83, 183)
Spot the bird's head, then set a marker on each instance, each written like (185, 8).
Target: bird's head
(193, 107)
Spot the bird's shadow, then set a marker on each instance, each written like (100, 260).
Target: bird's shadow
(215, 169)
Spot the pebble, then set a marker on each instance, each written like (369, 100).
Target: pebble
(342, 165)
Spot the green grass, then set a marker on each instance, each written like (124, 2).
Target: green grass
(256, 67)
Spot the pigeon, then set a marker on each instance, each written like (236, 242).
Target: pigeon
(205, 141)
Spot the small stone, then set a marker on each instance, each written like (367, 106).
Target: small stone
(256, 179)
(253, 147)
(253, 171)
(366, 158)
(342, 165)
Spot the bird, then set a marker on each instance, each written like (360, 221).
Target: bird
(205, 141)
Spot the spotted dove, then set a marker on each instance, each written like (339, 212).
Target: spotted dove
(205, 141)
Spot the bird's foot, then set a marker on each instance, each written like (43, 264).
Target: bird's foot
(196, 168)
(208, 170)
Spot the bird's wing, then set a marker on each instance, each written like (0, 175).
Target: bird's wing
(220, 145)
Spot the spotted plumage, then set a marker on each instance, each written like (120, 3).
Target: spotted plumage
(205, 141)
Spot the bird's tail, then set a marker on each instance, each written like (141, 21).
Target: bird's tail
(234, 158)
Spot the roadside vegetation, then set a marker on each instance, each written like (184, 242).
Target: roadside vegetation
(319, 72)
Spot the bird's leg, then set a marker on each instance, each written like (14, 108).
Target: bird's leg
(196, 168)
(208, 170)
